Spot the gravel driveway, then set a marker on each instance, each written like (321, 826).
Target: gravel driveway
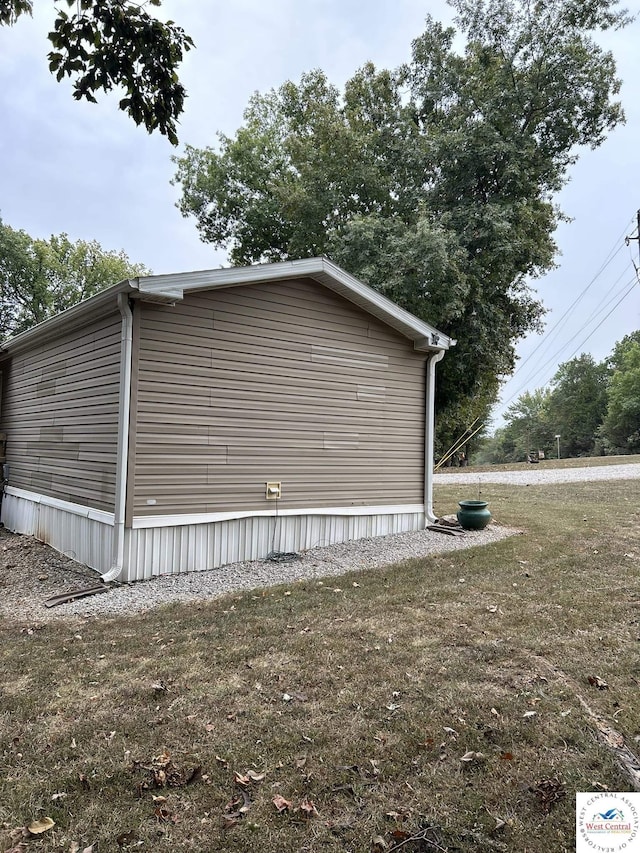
(535, 475)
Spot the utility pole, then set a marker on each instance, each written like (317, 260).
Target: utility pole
(627, 240)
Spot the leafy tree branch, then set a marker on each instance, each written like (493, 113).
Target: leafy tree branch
(116, 44)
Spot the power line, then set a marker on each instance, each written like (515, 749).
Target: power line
(606, 317)
(628, 287)
(553, 330)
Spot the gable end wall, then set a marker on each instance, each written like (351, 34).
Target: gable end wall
(279, 381)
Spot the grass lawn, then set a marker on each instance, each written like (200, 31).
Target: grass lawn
(441, 705)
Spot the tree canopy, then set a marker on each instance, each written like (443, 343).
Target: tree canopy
(593, 407)
(39, 278)
(434, 182)
(108, 44)
(621, 427)
(578, 403)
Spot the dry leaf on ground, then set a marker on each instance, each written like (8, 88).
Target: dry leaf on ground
(472, 756)
(43, 824)
(256, 777)
(308, 808)
(281, 804)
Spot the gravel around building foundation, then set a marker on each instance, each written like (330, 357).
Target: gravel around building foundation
(31, 572)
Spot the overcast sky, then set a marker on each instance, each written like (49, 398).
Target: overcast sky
(87, 170)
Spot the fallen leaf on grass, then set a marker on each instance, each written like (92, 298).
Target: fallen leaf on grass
(162, 814)
(43, 824)
(281, 804)
(379, 843)
(237, 808)
(472, 756)
(165, 774)
(308, 808)
(506, 756)
(594, 681)
(256, 777)
(529, 714)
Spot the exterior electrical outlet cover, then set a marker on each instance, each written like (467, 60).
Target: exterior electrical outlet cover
(273, 491)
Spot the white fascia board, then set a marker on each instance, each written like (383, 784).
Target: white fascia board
(75, 509)
(143, 522)
(79, 314)
(424, 336)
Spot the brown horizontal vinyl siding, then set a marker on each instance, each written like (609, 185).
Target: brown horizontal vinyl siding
(279, 381)
(60, 413)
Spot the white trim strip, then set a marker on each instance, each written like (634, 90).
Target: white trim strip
(143, 522)
(75, 509)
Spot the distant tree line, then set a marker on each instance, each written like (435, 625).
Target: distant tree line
(593, 407)
(40, 278)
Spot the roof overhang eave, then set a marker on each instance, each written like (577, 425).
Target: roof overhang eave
(424, 336)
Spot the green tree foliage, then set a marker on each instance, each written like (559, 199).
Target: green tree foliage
(107, 44)
(577, 404)
(39, 278)
(434, 183)
(527, 429)
(621, 427)
(616, 359)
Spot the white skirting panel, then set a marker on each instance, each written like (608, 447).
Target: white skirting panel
(179, 548)
(172, 547)
(81, 533)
